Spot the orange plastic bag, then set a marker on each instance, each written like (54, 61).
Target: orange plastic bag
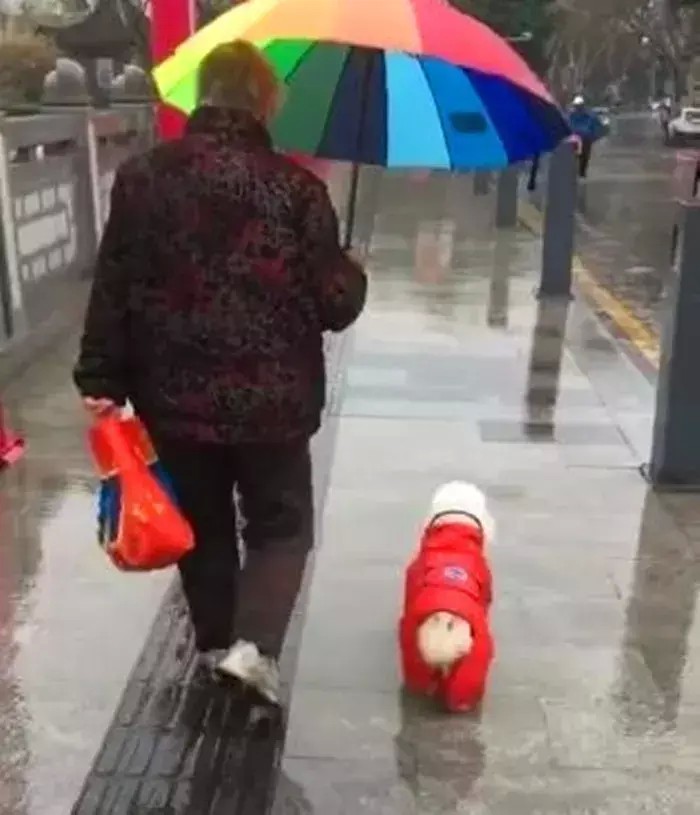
(140, 526)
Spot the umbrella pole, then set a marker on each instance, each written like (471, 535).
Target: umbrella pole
(355, 175)
(352, 206)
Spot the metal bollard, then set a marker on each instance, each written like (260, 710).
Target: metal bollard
(507, 198)
(499, 287)
(675, 455)
(13, 315)
(6, 315)
(559, 223)
(482, 182)
(367, 207)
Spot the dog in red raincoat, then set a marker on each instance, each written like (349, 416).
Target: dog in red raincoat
(445, 638)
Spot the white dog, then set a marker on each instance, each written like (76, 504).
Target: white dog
(450, 574)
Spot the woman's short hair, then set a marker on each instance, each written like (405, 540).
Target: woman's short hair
(237, 75)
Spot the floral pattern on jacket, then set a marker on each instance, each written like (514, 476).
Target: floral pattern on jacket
(218, 272)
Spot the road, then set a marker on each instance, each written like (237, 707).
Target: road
(627, 216)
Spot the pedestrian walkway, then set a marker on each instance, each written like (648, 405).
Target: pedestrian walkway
(71, 627)
(454, 371)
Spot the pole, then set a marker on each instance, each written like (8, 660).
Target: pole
(507, 198)
(172, 22)
(351, 213)
(675, 455)
(499, 286)
(6, 313)
(355, 176)
(482, 182)
(559, 222)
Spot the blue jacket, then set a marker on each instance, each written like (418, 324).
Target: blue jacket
(586, 124)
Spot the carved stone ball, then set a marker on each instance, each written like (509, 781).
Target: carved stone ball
(133, 83)
(58, 13)
(66, 83)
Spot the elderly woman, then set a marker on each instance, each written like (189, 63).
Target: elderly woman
(219, 271)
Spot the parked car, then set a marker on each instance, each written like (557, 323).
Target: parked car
(685, 128)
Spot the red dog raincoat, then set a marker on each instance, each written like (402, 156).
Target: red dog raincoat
(450, 573)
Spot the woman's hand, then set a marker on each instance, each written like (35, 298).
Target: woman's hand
(99, 408)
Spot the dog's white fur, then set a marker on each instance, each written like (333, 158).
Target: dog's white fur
(444, 638)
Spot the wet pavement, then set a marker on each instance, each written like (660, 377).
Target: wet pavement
(456, 370)
(627, 215)
(70, 626)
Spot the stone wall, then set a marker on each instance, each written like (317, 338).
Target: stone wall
(56, 173)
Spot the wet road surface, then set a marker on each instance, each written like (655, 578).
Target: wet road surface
(627, 215)
(455, 371)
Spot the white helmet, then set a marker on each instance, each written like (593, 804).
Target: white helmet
(579, 101)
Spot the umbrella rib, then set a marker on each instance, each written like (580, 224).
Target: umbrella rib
(437, 112)
(302, 59)
(331, 106)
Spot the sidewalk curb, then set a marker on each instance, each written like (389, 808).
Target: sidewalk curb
(631, 327)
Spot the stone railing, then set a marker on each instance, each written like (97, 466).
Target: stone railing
(56, 173)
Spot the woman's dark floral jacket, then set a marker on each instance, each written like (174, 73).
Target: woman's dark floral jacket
(218, 272)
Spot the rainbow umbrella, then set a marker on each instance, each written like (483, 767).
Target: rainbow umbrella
(395, 83)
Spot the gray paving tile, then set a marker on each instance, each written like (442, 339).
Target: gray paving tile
(566, 434)
(345, 788)
(356, 726)
(599, 736)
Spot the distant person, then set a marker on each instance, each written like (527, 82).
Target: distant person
(534, 174)
(665, 114)
(219, 271)
(588, 128)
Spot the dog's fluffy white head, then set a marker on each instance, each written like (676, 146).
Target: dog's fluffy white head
(459, 502)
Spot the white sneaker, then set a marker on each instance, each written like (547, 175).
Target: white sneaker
(245, 663)
(267, 680)
(241, 662)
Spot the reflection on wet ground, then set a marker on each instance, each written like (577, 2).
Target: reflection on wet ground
(456, 370)
(544, 371)
(70, 628)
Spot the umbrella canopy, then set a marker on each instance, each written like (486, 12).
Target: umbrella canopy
(397, 83)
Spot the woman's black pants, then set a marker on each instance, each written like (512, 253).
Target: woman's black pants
(262, 494)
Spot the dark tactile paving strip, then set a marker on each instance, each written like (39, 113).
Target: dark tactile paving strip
(181, 744)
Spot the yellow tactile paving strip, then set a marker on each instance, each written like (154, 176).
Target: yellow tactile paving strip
(641, 337)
